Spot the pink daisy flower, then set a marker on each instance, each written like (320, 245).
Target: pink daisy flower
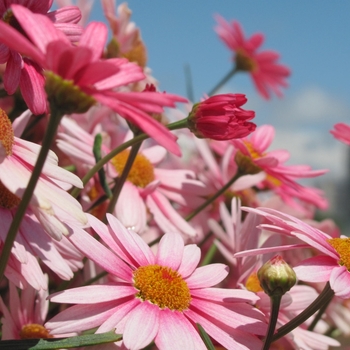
(22, 71)
(333, 262)
(280, 178)
(163, 292)
(342, 132)
(267, 74)
(86, 78)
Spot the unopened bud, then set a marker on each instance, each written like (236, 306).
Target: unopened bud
(276, 277)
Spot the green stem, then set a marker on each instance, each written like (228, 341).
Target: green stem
(123, 176)
(53, 123)
(319, 315)
(139, 138)
(214, 197)
(210, 255)
(223, 81)
(275, 307)
(326, 295)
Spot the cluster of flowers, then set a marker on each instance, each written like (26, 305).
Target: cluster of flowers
(151, 249)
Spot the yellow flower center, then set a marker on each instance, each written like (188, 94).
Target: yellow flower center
(34, 331)
(244, 62)
(6, 132)
(162, 286)
(342, 246)
(253, 283)
(141, 173)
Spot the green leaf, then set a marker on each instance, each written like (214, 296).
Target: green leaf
(60, 343)
(101, 173)
(205, 337)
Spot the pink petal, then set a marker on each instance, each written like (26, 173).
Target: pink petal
(177, 333)
(237, 340)
(95, 37)
(12, 73)
(134, 246)
(190, 259)
(114, 319)
(316, 269)
(207, 276)
(79, 318)
(92, 294)
(170, 250)
(224, 295)
(101, 255)
(141, 326)
(32, 87)
(340, 282)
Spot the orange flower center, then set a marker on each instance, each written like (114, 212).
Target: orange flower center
(253, 283)
(342, 246)
(141, 173)
(6, 132)
(162, 286)
(34, 331)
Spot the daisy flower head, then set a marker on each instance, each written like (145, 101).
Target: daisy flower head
(158, 297)
(267, 74)
(77, 77)
(20, 70)
(331, 264)
(280, 178)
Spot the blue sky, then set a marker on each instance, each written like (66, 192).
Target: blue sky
(312, 38)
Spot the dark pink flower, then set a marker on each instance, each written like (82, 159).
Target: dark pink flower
(266, 73)
(221, 118)
(78, 77)
(23, 72)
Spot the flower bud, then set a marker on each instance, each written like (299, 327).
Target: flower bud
(220, 118)
(276, 277)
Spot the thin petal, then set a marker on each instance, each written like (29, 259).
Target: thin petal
(92, 294)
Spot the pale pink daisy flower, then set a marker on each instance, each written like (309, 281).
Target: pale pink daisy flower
(22, 71)
(342, 132)
(331, 265)
(51, 213)
(267, 74)
(280, 178)
(160, 296)
(91, 79)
